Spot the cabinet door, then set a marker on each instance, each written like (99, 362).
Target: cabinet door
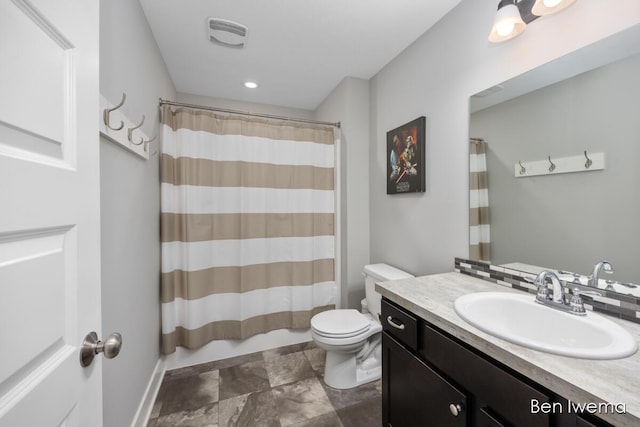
(414, 395)
(593, 422)
(498, 391)
(486, 419)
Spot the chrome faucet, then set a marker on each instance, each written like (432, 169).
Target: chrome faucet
(543, 296)
(595, 276)
(558, 299)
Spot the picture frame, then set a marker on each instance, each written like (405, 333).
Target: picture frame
(406, 158)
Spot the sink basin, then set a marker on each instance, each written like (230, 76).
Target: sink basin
(519, 319)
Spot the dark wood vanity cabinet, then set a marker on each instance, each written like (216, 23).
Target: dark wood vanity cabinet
(432, 379)
(414, 394)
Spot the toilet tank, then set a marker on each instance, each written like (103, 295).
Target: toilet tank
(379, 273)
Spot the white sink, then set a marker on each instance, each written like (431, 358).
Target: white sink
(519, 319)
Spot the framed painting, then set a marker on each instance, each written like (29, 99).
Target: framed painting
(405, 158)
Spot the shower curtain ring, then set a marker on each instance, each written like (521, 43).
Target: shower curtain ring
(552, 166)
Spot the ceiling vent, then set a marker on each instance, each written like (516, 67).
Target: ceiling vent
(227, 33)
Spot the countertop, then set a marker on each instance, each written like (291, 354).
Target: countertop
(578, 380)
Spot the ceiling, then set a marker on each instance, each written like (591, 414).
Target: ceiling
(297, 51)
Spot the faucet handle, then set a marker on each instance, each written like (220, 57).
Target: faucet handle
(590, 294)
(576, 304)
(543, 293)
(543, 290)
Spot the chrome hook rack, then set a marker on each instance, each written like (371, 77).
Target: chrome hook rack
(134, 138)
(559, 165)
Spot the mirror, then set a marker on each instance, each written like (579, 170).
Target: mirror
(587, 100)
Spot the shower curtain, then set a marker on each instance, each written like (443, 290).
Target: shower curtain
(479, 229)
(247, 225)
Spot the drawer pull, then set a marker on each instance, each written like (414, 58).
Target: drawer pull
(394, 324)
(455, 409)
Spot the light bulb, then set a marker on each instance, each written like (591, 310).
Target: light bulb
(548, 7)
(505, 28)
(251, 85)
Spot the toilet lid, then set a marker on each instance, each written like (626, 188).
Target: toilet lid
(343, 323)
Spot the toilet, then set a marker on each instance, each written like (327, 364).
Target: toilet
(352, 338)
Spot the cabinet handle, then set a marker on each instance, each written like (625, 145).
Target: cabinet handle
(455, 409)
(394, 324)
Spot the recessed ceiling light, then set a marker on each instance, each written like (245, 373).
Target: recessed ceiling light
(251, 85)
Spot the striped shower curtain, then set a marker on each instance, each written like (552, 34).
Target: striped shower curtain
(479, 229)
(247, 225)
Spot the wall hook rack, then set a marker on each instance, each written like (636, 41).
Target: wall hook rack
(559, 165)
(110, 113)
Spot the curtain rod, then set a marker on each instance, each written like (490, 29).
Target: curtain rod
(246, 113)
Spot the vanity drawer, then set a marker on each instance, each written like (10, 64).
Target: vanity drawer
(502, 393)
(399, 323)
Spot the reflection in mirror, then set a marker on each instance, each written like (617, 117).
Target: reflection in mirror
(569, 221)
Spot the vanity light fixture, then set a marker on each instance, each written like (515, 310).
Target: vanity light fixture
(514, 15)
(548, 7)
(508, 23)
(250, 85)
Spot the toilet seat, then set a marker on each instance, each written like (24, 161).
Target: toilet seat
(340, 323)
(343, 327)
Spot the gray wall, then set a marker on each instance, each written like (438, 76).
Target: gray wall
(348, 103)
(129, 193)
(434, 77)
(567, 221)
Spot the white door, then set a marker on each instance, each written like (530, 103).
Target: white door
(49, 212)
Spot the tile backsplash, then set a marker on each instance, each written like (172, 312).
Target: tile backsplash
(625, 307)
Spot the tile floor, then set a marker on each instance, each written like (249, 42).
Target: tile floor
(275, 388)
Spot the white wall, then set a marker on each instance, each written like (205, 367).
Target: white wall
(348, 103)
(130, 204)
(434, 77)
(243, 106)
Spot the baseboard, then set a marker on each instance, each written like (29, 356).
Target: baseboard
(148, 400)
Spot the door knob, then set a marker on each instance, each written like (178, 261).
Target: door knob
(92, 346)
(455, 409)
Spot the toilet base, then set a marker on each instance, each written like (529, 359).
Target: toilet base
(342, 370)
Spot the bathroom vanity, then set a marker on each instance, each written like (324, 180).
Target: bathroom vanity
(440, 371)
